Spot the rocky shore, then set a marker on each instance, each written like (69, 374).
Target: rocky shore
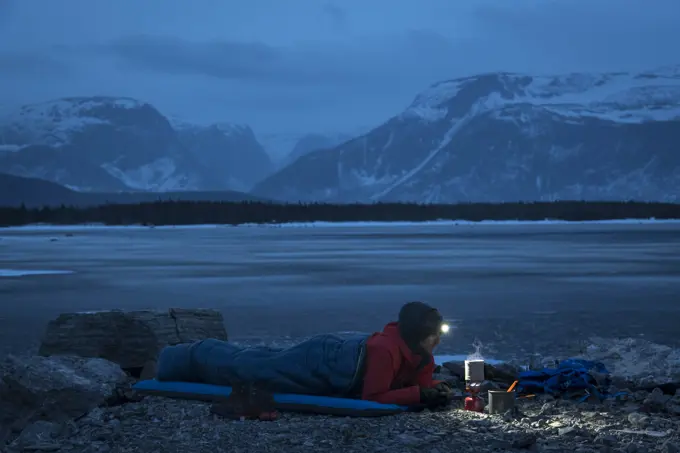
(74, 398)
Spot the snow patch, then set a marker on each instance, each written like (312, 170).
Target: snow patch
(619, 97)
(428, 105)
(159, 175)
(52, 123)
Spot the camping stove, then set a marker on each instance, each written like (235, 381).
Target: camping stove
(474, 377)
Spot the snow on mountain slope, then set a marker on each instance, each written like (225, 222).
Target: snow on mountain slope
(53, 123)
(112, 144)
(617, 96)
(98, 143)
(313, 142)
(504, 136)
(230, 151)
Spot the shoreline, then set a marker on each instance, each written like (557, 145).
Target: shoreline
(322, 224)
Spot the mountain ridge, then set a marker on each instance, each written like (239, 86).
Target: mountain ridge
(109, 143)
(507, 136)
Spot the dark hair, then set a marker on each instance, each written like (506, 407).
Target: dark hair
(417, 321)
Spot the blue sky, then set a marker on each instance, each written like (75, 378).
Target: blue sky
(306, 65)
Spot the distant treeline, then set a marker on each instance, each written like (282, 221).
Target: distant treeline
(193, 213)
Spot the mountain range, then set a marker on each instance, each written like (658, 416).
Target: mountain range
(489, 137)
(121, 144)
(508, 137)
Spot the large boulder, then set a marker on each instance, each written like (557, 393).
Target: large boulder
(130, 339)
(55, 388)
(636, 363)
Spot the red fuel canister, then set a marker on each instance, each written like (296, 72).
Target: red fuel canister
(474, 403)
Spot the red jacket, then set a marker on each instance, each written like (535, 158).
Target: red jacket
(392, 375)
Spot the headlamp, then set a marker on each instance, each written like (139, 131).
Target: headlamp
(444, 328)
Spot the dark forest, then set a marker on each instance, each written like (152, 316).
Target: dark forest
(194, 213)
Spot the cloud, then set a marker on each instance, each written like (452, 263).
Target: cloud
(6, 10)
(309, 63)
(586, 35)
(221, 59)
(337, 16)
(32, 64)
(382, 60)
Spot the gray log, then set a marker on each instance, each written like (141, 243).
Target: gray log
(129, 339)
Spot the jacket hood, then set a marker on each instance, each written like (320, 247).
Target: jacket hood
(417, 358)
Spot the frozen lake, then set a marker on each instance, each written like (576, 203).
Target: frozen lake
(515, 287)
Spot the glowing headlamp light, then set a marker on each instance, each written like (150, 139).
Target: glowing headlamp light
(445, 328)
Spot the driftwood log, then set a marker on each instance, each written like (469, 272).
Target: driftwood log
(130, 339)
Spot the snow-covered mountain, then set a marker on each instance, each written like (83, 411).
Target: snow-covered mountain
(230, 151)
(313, 142)
(286, 147)
(114, 144)
(505, 136)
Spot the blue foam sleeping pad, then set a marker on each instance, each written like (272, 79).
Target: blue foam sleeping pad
(313, 403)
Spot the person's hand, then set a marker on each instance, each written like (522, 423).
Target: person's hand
(433, 397)
(444, 387)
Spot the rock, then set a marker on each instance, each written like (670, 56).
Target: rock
(567, 430)
(40, 432)
(669, 447)
(456, 369)
(635, 362)
(130, 339)
(673, 404)
(453, 380)
(638, 420)
(656, 400)
(55, 388)
(524, 441)
(606, 440)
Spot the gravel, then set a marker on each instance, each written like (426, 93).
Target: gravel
(156, 425)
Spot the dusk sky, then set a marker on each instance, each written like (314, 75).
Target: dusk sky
(311, 65)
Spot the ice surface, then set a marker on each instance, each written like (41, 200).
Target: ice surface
(25, 272)
(271, 282)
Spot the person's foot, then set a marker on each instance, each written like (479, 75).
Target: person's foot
(148, 371)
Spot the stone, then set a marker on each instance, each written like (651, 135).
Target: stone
(55, 388)
(453, 380)
(455, 368)
(130, 339)
(40, 432)
(524, 441)
(638, 419)
(669, 447)
(567, 430)
(636, 363)
(656, 400)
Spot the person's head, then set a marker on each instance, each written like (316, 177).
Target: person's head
(420, 324)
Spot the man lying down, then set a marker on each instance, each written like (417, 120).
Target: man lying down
(394, 366)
